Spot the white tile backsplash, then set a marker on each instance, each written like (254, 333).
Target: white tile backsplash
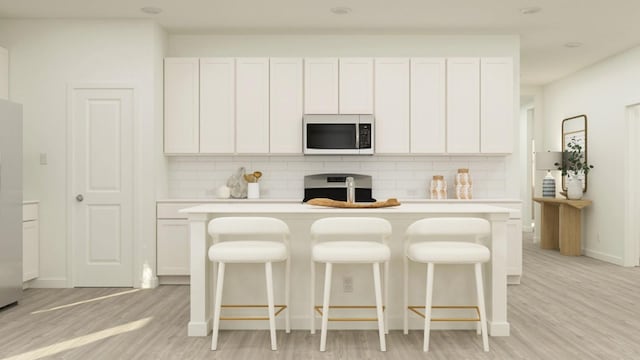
(393, 176)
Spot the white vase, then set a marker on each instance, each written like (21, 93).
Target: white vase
(253, 191)
(574, 188)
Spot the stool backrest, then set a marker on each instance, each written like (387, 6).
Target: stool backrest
(351, 228)
(252, 226)
(448, 227)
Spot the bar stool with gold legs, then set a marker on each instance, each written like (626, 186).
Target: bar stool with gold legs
(350, 240)
(421, 247)
(250, 240)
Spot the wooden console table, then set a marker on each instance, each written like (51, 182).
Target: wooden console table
(561, 224)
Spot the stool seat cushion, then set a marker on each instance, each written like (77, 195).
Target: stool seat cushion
(248, 251)
(448, 252)
(350, 252)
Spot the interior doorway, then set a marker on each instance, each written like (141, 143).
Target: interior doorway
(632, 230)
(101, 119)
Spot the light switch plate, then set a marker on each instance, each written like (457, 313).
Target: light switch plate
(43, 158)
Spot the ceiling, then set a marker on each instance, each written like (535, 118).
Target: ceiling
(603, 27)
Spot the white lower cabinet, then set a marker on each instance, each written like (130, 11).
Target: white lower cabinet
(173, 247)
(172, 239)
(30, 242)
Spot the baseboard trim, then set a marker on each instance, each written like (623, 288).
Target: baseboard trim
(603, 257)
(49, 283)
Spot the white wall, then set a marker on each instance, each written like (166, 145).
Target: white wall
(47, 55)
(602, 92)
(390, 179)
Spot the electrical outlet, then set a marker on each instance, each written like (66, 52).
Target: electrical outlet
(347, 284)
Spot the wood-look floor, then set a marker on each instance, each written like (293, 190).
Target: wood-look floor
(565, 308)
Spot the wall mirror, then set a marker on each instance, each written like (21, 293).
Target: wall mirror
(575, 128)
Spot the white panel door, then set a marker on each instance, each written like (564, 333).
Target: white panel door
(463, 105)
(102, 217)
(428, 105)
(252, 105)
(321, 86)
(181, 97)
(285, 98)
(173, 247)
(497, 105)
(4, 74)
(392, 105)
(217, 105)
(356, 86)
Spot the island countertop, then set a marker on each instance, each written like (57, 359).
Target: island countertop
(295, 208)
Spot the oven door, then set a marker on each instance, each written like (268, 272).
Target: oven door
(331, 134)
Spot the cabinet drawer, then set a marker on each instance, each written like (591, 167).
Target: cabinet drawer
(29, 212)
(172, 210)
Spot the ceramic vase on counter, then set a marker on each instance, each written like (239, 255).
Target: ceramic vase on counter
(463, 184)
(438, 187)
(253, 190)
(574, 188)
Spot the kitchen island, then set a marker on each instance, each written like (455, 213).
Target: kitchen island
(453, 284)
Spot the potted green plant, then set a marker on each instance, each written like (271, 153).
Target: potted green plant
(575, 167)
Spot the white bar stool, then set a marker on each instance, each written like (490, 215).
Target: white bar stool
(350, 240)
(420, 247)
(250, 240)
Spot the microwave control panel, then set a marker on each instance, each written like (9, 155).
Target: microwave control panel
(365, 136)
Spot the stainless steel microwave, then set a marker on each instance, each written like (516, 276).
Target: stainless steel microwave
(338, 134)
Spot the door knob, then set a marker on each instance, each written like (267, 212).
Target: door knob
(79, 197)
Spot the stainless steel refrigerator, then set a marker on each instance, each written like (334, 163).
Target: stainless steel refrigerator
(10, 202)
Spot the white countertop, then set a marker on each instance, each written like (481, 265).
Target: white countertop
(298, 208)
(268, 200)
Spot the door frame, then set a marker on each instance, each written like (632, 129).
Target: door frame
(632, 177)
(70, 133)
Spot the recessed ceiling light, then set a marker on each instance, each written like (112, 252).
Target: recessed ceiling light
(573, 44)
(151, 10)
(341, 10)
(530, 10)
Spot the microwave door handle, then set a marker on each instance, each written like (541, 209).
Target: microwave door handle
(357, 136)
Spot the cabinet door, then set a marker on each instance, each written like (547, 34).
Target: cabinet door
(463, 105)
(30, 250)
(428, 105)
(181, 98)
(497, 111)
(217, 105)
(172, 247)
(392, 105)
(356, 86)
(321, 86)
(252, 105)
(285, 108)
(4, 74)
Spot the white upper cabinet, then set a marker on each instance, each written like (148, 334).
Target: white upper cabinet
(392, 105)
(285, 96)
(463, 105)
(252, 105)
(428, 105)
(217, 105)
(181, 93)
(4, 74)
(497, 105)
(356, 86)
(321, 86)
